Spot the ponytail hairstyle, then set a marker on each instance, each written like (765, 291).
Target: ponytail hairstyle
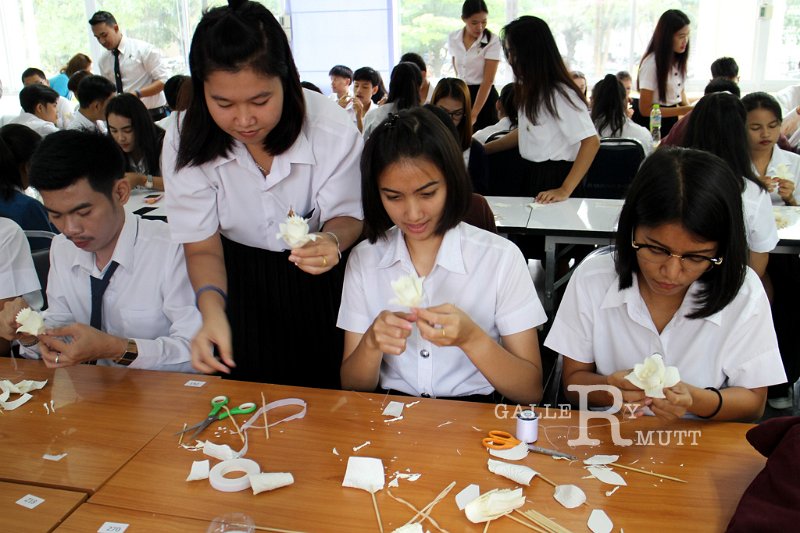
(608, 106)
(473, 7)
(242, 35)
(670, 23)
(404, 84)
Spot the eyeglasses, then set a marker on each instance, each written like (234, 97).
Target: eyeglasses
(689, 262)
(455, 115)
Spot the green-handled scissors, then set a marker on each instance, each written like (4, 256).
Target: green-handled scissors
(217, 403)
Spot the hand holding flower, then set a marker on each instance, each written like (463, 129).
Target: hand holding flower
(653, 376)
(408, 291)
(447, 325)
(294, 231)
(675, 404)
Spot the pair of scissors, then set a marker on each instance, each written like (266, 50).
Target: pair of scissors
(217, 403)
(500, 440)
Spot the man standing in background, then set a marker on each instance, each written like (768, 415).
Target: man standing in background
(133, 66)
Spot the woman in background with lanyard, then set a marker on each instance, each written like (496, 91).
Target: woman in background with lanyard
(662, 72)
(476, 54)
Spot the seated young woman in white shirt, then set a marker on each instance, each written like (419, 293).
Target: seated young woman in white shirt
(609, 104)
(474, 330)
(777, 169)
(677, 284)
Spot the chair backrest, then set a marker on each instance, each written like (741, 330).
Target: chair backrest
(480, 214)
(41, 256)
(506, 172)
(613, 168)
(496, 135)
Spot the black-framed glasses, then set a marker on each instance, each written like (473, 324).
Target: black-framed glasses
(455, 115)
(660, 255)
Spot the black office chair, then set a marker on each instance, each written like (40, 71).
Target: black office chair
(41, 258)
(506, 170)
(613, 168)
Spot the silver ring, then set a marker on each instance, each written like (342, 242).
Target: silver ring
(57, 356)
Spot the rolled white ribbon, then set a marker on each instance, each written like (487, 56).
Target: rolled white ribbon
(223, 484)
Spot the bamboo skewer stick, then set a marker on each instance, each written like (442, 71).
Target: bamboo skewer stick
(230, 416)
(486, 528)
(264, 412)
(183, 432)
(648, 473)
(517, 520)
(276, 530)
(377, 513)
(411, 506)
(427, 509)
(542, 521)
(546, 480)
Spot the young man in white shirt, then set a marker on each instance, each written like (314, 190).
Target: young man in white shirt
(64, 106)
(17, 276)
(118, 290)
(133, 66)
(94, 92)
(39, 109)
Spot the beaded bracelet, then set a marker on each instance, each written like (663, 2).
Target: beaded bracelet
(338, 246)
(206, 288)
(719, 394)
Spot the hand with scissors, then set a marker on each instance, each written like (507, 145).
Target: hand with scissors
(217, 403)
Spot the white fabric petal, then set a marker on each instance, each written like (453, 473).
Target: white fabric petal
(494, 504)
(606, 475)
(467, 495)
(270, 481)
(364, 473)
(599, 522)
(518, 473)
(517, 453)
(570, 496)
(200, 470)
(600, 459)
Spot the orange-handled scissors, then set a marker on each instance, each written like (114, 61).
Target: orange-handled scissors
(500, 440)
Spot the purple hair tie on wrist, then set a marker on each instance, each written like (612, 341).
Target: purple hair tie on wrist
(206, 288)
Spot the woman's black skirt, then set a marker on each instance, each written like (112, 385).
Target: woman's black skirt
(488, 114)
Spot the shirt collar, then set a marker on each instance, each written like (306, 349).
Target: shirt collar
(300, 153)
(632, 297)
(123, 251)
(120, 46)
(449, 257)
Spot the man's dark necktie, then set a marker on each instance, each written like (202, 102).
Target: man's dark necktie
(99, 287)
(117, 75)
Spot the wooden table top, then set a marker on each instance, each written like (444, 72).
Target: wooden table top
(90, 518)
(45, 516)
(103, 417)
(442, 441)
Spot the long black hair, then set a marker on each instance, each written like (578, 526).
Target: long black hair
(147, 136)
(670, 23)
(17, 144)
(242, 35)
(609, 102)
(404, 84)
(538, 67)
(697, 190)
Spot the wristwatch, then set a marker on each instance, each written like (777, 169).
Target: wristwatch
(148, 183)
(130, 355)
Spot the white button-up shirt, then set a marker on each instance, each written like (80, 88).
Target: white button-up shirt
(318, 177)
(42, 127)
(648, 79)
(759, 221)
(792, 163)
(479, 272)
(556, 139)
(597, 323)
(17, 273)
(469, 63)
(80, 122)
(140, 65)
(149, 297)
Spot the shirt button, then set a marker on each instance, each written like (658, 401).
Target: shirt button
(424, 354)
(425, 395)
(270, 224)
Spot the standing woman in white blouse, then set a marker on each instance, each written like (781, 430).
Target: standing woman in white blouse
(253, 146)
(662, 72)
(476, 54)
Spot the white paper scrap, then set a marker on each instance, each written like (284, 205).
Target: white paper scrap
(569, 496)
(612, 491)
(467, 495)
(30, 501)
(599, 522)
(410, 528)
(48, 457)
(445, 424)
(606, 475)
(517, 453)
(335, 451)
(10, 406)
(494, 504)
(356, 448)
(194, 383)
(199, 470)
(601, 459)
(113, 527)
(412, 404)
(395, 419)
(397, 476)
(364, 473)
(23, 386)
(223, 452)
(518, 473)
(394, 409)
(270, 481)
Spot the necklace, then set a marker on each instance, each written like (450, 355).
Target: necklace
(262, 169)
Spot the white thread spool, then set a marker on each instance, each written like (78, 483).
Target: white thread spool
(221, 483)
(527, 426)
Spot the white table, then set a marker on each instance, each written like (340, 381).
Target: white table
(137, 205)
(511, 213)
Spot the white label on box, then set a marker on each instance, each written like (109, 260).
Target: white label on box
(30, 501)
(112, 527)
(194, 383)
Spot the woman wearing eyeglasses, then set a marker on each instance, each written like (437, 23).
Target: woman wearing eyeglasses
(677, 284)
(452, 96)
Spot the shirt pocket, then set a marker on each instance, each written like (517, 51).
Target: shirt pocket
(144, 323)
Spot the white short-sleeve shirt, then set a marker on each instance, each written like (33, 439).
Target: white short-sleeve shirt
(17, 273)
(373, 119)
(469, 63)
(556, 139)
(318, 177)
(504, 124)
(632, 130)
(759, 221)
(597, 323)
(790, 170)
(648, 79)
(479, 272)
(42, 127)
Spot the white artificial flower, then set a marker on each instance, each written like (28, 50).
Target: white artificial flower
(782, 172)
(408, 291)
(653, 376)
(30, 322)
(295, 231)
